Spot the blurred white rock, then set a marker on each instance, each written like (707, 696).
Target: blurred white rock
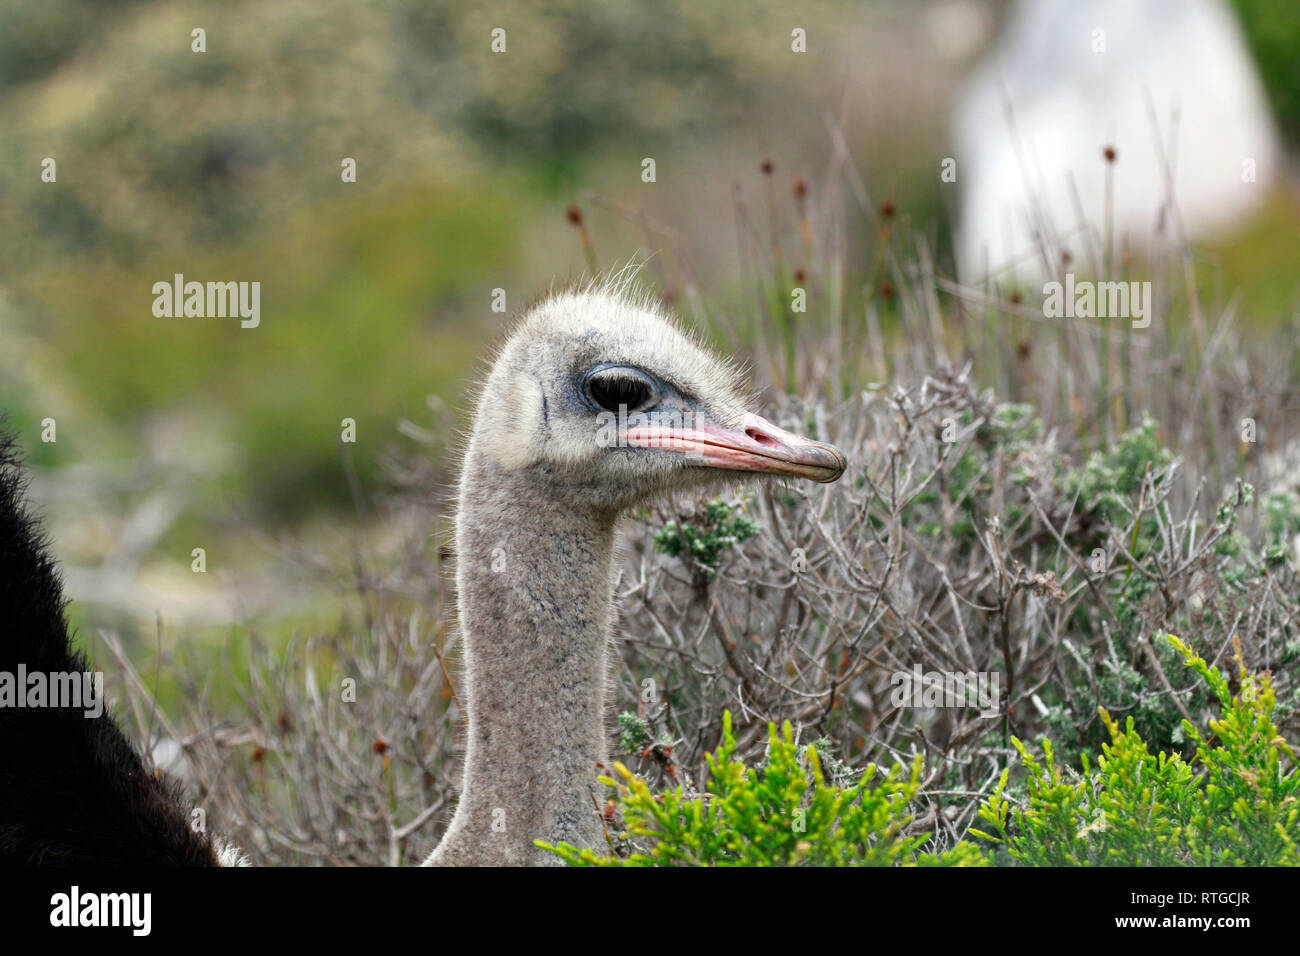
(169, 756)
(1164, 82)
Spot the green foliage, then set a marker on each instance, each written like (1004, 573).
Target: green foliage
(836, 771)
(633, 732)
(1110, 477)
(719, 526)
(1009, 430)
(1005, 472)
(783, 813)
(192, 145)
(1233, 544)
(1016, 424)
(1236, 802)
(1282, 525)
(1272, 29)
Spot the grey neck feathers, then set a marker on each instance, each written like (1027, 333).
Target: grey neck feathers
(535, 583)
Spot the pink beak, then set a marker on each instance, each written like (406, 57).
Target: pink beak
(756, 445)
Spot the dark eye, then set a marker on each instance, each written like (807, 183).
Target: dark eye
(617, 388)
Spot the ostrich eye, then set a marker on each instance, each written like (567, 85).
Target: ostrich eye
(613, 388)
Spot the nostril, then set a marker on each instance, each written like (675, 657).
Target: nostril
(763, 439)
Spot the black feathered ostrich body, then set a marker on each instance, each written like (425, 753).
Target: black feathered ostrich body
(597, 404)
(73, 790)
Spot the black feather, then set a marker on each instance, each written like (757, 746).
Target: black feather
(73, 790)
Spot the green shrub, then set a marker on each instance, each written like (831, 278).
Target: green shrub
(1272, 29)
(1111, 477)
(1237, 802)
(718, 527)
(782, 813)
(633, 732)
(1282, 521)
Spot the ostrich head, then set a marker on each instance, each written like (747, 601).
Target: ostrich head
(596, 404)
(603, 395)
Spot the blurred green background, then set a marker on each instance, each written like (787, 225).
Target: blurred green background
(376, 294)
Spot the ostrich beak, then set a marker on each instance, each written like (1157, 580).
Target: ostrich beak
(755, 445)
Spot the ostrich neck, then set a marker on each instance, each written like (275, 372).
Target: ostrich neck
(535, 590)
